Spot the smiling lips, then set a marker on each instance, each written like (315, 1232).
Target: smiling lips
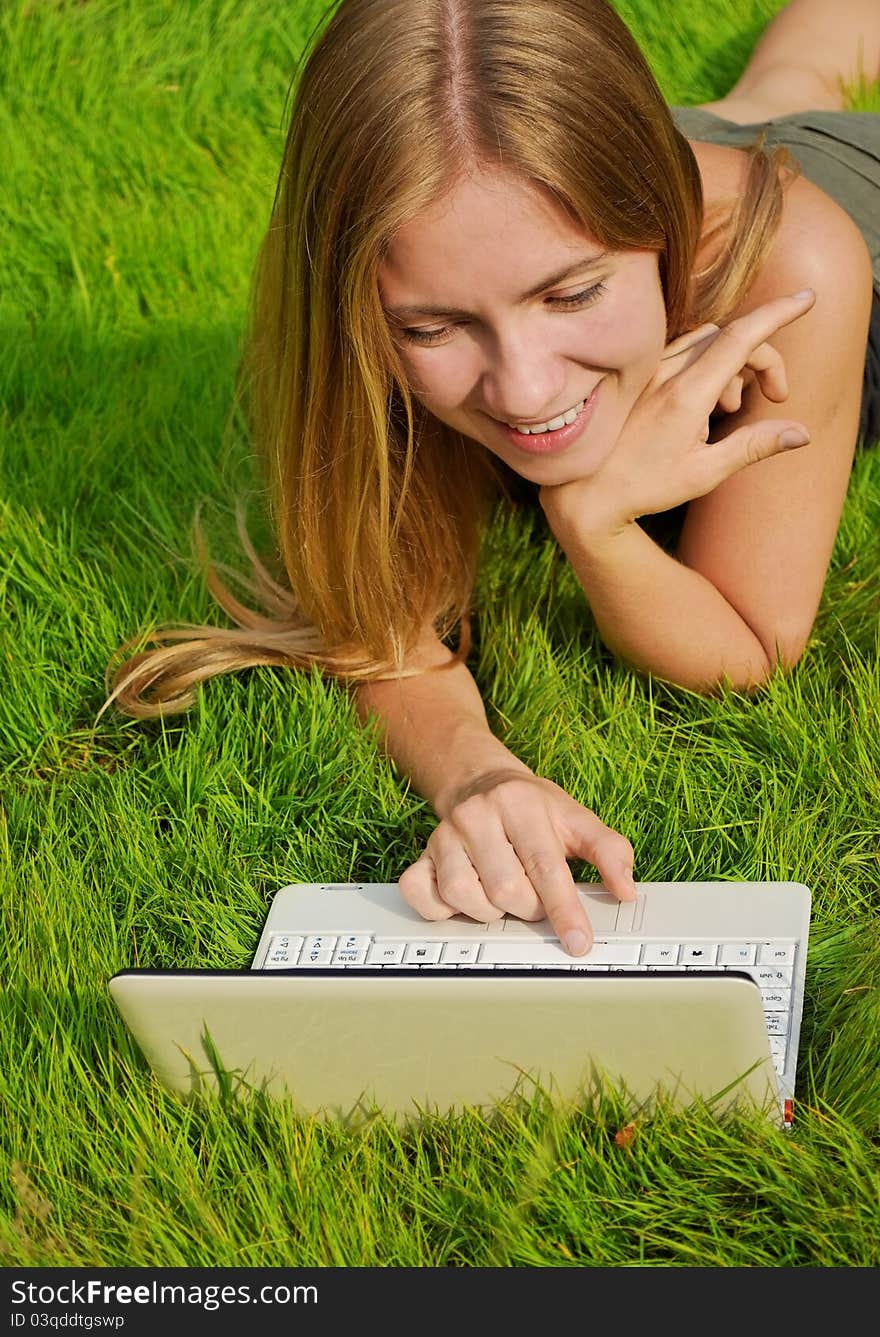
(544, 438)
(552, 424)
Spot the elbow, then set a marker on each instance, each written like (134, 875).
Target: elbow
(782, 653)
(786, 648)
(784, 656)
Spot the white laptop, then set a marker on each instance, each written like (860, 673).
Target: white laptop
(354, 1003)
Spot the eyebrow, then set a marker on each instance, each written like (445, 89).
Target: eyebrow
(579, 266)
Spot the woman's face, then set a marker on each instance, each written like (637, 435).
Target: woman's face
(495, 332)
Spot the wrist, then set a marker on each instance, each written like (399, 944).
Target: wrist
(490, 762)
(587, 528)
(577, 511)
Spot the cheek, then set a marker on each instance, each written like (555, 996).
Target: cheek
(633, 333)
(419, 381)
(437, 382)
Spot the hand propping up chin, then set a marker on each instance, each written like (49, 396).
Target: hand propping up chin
(662, 456)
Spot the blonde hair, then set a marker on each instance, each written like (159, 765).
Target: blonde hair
(377, 507)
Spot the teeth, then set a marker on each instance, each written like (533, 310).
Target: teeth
(553, 424)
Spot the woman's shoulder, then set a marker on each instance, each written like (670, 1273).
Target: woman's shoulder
(812, 226)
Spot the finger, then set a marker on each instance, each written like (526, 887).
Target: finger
(692, 339)
(505, 884)
(492, 852)
(768, 366)
(458, 883)
(418, 887)
(749, 444)
(765, 363)
(544, 861)
(586, 836)
(731, 395)
(706, 377)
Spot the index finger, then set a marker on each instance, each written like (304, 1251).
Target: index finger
(546, 868)
(729, 351)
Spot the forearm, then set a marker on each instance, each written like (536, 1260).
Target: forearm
(659, 615)
(434, 728)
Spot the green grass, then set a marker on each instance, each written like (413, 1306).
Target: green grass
(141, 144)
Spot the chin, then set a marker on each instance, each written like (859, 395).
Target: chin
(580, 462)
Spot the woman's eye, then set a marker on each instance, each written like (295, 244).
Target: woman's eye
(425, 336)
(580, 298)
(576, 301)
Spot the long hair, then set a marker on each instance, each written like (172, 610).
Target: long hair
(377, 508)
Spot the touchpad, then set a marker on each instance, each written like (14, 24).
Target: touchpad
(602, 911)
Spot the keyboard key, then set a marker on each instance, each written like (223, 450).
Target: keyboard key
(776, 1000)
(510, 952)
(776, 954)
(320, 942)
(321, 958)
(385, 953)
(660, 954)
(772, 977)
(280, 961)
(737, 953)
(699, 953)
(459, 953)
(353, 942)
(422, 953)
(283, 951)
(537, 953)
(612, 954)
(351, 956)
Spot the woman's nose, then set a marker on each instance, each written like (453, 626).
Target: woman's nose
(521, 385)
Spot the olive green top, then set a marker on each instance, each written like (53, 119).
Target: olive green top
(839, 151)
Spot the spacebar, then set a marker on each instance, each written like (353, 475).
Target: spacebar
(548, 953)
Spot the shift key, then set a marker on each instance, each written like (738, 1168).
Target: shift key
(499, 952)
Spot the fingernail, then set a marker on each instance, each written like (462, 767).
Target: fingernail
(628, 878)
(576, 942)
(804, 293)
(793, 436)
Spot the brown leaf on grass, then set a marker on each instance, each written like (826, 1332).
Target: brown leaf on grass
(624, 1136)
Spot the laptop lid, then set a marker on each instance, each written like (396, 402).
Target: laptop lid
(335, 1042)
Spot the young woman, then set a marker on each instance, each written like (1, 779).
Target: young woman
(495, 260)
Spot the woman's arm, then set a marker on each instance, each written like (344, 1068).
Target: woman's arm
(660, 616)
(434, 728)
(751, 562)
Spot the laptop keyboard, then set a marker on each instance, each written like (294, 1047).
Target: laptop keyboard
(770, 963)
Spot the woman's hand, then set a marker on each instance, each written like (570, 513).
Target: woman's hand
(502, 849)
(662, 456)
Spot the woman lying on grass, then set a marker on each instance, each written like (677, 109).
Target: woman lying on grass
(493, 257)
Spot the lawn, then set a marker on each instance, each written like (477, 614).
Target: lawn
(141, 146)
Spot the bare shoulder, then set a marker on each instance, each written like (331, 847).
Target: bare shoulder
(814, 230)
